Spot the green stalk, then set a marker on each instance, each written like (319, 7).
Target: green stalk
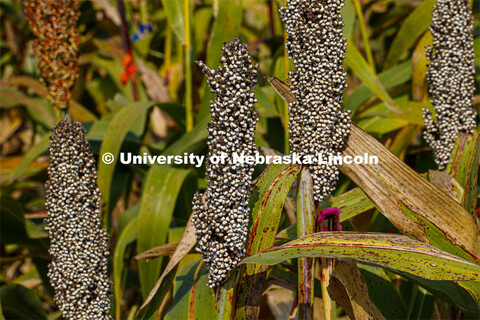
(305, 226)
(143, 11)
(363, 31)
(188, 68)
(328, 265)
(58, 114)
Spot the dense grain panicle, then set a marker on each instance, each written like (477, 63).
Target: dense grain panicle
(54, 24)
(451, 77)
(78, 244)
(317, 123)
(221, 214)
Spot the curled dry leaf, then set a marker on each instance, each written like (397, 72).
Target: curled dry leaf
(160, 251)
(185, 245)
(348, 288)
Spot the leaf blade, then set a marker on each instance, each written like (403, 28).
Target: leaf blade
(116, 132)
(355, 60)
(412, 28)
(160, 192)
(396, 252)
(128, 235)
(267, 200)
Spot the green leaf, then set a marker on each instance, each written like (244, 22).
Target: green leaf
(226, 26)
(14, 226)
(395, 252)
(112, 141)
(463, 167)
(192, 299)
(420, 68)
(176, 111)
(348, 17)
(101, 90)
(127, 216)
(225, 299)
(127, 236)
(390, 78)
(38, 108)
(412, 28)
(32, 154)
(202, 20)
(175, 12)
(191, 141)
(351, 203)
(383, 293)
(267, 199)
(451, 292)
(13, 222)
(160, 191)
(473, 289)
(360, 67)
(412, 112)
(17, 302)
(265, 107)
(379, 125)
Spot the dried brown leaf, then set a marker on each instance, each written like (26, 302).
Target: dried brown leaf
(348, 289)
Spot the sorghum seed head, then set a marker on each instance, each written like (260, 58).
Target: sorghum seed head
(317, 124)
(78, 271)
(220, 215)
(53, 22)
(451, 77)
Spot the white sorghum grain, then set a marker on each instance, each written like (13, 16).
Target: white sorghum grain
(451, 77)
(317, 123)
(78, 244)
(221, 214)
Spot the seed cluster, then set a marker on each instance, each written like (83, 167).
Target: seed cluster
(317, 123)
(78, 244)
(53, 22)
(220, 215)
(451, 77)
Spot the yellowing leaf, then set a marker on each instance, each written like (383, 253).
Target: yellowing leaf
(396, 252)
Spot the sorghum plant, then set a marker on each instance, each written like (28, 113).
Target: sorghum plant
(317, 123)
(78, 271)
(221, 214)
(56, 45)
(451, 77)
